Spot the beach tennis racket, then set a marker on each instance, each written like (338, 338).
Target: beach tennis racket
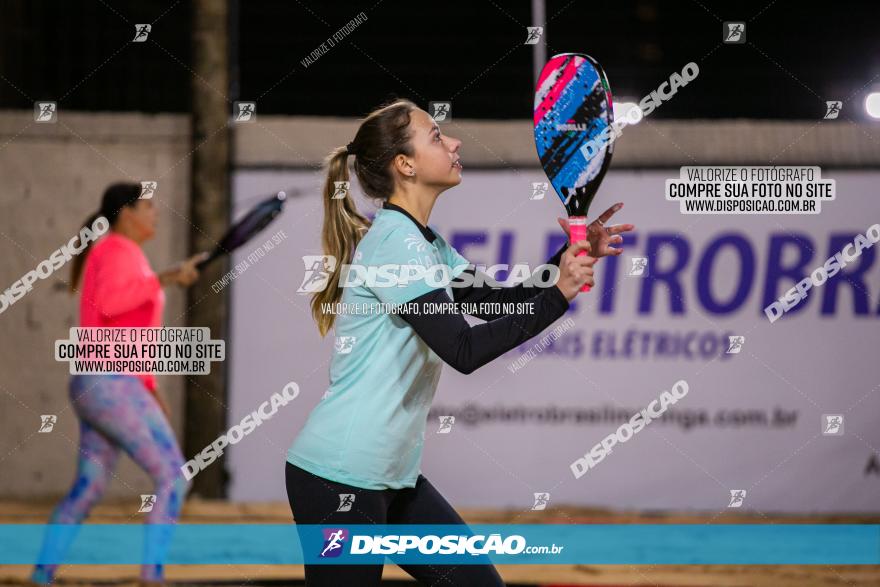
(246, 228)
(573, 109)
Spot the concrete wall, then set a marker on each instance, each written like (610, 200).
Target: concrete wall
(279, 141)
(53, 176)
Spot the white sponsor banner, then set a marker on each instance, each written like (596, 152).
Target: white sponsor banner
(685, 302)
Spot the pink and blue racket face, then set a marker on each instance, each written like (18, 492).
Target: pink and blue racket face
(573, 107)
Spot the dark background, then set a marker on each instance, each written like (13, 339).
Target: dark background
(797, 55)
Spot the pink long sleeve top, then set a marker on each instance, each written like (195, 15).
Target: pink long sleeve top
(120, 289)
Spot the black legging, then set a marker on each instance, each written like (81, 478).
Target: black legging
(314, 500)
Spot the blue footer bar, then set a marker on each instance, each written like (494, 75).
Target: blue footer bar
(630, 544)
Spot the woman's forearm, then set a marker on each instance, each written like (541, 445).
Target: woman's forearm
(484, 293)
(467, 348)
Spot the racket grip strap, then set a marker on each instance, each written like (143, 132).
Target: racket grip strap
(577, 227)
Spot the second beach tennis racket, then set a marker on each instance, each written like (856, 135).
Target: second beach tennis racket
(247, 227)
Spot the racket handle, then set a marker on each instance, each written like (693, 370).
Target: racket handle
(577, 226)
(201, 264)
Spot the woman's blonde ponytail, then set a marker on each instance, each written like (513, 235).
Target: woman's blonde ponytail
(343, 229)
(383, 134)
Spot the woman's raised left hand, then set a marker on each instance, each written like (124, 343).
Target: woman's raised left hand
(600, 236)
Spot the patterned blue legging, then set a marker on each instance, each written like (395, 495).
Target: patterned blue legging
(118, 412)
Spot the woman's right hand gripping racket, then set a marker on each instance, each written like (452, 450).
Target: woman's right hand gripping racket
(573, 116)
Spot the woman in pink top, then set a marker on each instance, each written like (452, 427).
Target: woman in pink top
(121, 411)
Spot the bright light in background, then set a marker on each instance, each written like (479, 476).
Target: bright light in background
(872, 105)
(628, 112)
